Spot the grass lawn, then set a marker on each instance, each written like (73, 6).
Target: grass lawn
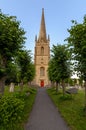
(71, 108)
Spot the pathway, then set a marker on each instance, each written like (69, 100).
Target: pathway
(45, 115)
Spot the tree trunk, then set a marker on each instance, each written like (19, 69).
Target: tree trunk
(2, 85)
(63, 87)
(21, 86)
(57, 87)
(3, 62)
(52, 84)
(85, 95)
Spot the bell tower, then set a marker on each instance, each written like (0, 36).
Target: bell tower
(42, 55)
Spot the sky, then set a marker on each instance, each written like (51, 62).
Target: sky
(58, 16)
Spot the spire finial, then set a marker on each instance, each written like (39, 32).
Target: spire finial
(42, 9)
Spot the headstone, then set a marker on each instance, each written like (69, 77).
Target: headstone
(72, 91)
(11, 87)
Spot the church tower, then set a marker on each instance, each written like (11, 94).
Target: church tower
(42, 55)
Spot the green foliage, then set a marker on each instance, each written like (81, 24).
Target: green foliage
(31, 72)
(59, 66)
(11, 35)
(52, 71)
(71, 82)
(12, 70)
(15, 61)
(27, 69)
(77, 41)
(11, 111)
(15, 108)
(12, 40)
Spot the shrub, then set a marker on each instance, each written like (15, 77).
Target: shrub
(11, 111)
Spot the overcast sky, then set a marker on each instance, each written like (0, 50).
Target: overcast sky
(58, 16)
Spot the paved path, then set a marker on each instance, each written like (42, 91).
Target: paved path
(45, 115)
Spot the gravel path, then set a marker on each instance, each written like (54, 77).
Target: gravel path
(44, 115)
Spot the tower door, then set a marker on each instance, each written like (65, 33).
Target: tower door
(42, 83)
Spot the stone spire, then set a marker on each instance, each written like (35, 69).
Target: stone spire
(42, 33)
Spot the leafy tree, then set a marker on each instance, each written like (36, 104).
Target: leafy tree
(62, 64)
(30, 72)
(12, 71)
(12, 39)
(53, 73)
(51, 70)
(77, 41)
(27, 69)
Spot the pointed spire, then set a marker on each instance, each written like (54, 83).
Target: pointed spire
(48, 38)
(42, 33)
(36, 38)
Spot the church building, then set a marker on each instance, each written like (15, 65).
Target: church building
(42, 55)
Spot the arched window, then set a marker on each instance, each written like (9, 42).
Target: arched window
(42, 50)
(42, 71)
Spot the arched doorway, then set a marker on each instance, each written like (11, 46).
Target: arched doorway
(42, 83)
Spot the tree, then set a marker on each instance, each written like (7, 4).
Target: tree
(52, 73)
(12, 71)
(77, 41)
(27, 68)
(12, 39)
(51, 70)
(61, 64)
(31, 72)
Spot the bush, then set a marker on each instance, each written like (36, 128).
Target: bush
(11, 111)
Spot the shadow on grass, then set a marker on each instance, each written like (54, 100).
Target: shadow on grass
(56, 93)
(66, 97)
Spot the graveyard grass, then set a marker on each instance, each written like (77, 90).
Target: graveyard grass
(70, 107)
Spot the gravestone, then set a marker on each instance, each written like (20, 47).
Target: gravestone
(72, 91)
(11, 87)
